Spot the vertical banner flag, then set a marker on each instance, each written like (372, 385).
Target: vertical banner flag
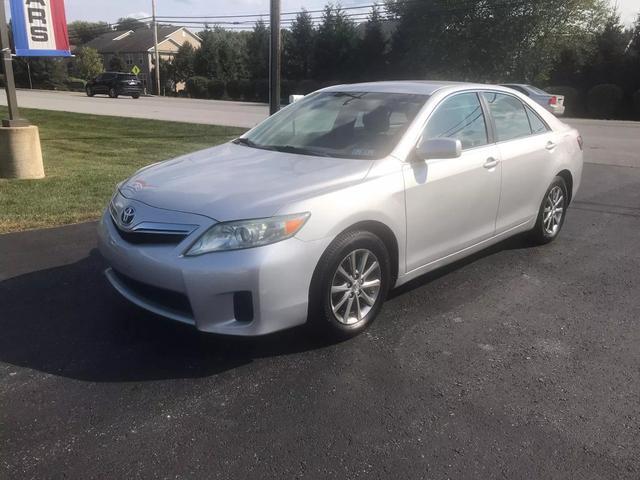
(40, 28)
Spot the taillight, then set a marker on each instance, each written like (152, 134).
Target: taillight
(580, 142)
(553, 100)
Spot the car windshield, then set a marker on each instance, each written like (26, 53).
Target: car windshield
(127, 77)
(339, 124)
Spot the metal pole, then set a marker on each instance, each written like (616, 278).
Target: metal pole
(274, 59)
(155, 43)
(14, 119)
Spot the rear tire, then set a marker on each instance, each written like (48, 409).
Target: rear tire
(349, 285)
(113, 93)
(135, 96)
(552, 213)
(89, 92)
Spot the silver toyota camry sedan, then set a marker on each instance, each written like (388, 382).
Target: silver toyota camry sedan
(313, 215)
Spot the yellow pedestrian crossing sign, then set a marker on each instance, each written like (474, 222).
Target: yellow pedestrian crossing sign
(135, 70)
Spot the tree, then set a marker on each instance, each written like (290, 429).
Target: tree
(184, 62)
(491, 40)
(373, 47)
(88, 63)
(46, 72)
(298, 47)
(204, 63)
(130, 23)
(81, 32)
(257, 48)
(606, 64)
(335, 46)
(116, 63)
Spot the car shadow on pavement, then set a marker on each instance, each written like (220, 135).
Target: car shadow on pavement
(68, 321)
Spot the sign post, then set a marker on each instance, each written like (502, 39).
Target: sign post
(39, 30)
(274, 59)
(14, 119)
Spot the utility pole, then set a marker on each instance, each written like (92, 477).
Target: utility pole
(155, 43)
(14, 119)
(274, 59)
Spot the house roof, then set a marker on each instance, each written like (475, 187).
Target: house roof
(140, 40)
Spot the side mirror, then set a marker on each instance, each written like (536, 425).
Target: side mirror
(438, 148)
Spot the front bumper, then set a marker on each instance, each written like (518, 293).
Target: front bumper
(274, 278)
(129, 91)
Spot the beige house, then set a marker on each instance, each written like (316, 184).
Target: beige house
(136, 47)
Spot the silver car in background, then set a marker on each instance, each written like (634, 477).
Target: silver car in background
(553, 103)
(316, 213)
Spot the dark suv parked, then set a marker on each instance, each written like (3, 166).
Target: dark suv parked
(114, 84)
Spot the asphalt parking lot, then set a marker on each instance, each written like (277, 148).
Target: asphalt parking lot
(519, 363)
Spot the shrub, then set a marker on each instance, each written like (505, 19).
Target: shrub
(75, 84)
(636, 104)
(234, 89)
(52, 85)
(286, 89)
(197, 87)
(246, 89)
(604, 100)
(215, 88)
(261, 90)
(572, 101)
(305, 87)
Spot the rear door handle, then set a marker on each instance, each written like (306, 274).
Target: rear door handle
(550, 146)
(490, 163)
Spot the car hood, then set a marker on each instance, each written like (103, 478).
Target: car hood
(232, 182)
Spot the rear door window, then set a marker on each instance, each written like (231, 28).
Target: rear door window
(460, 117)
(510, 117)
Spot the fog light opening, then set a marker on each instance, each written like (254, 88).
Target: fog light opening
(243, 306)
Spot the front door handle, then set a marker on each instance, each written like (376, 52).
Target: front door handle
(550, 146)
(490, 163)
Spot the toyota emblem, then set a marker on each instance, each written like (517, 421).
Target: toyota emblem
(127, 215)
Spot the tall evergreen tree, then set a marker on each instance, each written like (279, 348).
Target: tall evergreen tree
(184, 62)
(374, 46)
(298, 47)
(336, 46)
(258, 51)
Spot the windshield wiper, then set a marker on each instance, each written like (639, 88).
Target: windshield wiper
(244, 141)
(298, 150)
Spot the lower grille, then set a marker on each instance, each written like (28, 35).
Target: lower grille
(163, 298)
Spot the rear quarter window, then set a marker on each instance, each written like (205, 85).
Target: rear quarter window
(509, 115)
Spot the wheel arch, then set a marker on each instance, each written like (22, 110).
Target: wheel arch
(568, 178)
(387, 236)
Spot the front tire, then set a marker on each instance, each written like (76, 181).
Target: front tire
(113, 93)
(135, 96)
(89, 92)
(552, 213)
(350, 284)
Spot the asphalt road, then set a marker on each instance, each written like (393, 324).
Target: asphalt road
(213, 112)
(519, 363)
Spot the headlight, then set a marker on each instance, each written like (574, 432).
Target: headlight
(248, 233)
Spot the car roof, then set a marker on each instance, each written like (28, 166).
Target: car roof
(418, 87)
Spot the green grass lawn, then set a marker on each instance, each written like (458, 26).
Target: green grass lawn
(85, 156)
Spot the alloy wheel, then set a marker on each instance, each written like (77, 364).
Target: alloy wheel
(355, 286)
(553, 211)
